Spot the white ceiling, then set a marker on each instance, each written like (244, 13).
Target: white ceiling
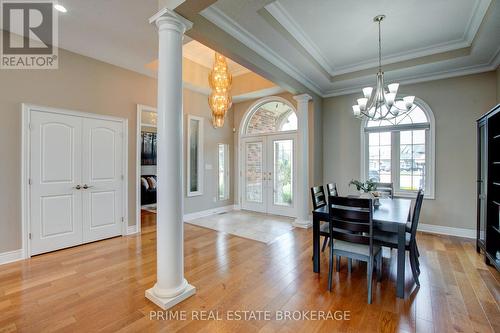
(204, 56)
(325, 43)
(118, 32)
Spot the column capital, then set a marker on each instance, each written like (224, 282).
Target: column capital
(168, 19)
(302, 98)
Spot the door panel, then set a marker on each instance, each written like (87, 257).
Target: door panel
(254, 181)
(102, 175)
(55, 148)
(282, 187)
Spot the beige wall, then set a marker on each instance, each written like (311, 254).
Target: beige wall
(81, 84)
(456, 104)
(239, 110)
(196, 104)
(87, 85)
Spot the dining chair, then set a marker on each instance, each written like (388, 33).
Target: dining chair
(385, 188)
(353, 235)
(331, 188)
(318, 201)
(391, 240)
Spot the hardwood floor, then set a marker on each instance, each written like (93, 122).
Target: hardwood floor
(100, 287)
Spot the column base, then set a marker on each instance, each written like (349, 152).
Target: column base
(167, 303)
(301, 223)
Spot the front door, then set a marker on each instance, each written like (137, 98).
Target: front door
(269, 174)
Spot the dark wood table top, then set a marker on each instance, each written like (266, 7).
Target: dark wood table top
(389, 215)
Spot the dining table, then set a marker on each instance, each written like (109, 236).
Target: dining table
(389, 216)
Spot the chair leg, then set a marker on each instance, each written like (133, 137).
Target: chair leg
(379, 266)
(330, 269)
(324, 244)
(349, 265)
(369, 279)
(338, 263)
(413, 265)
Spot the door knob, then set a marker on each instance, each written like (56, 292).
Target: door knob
(85, 186)
(78, 187)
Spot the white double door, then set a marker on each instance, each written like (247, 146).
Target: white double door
(76, 180)
(269, 174)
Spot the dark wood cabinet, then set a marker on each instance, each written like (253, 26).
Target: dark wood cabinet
(488, 186)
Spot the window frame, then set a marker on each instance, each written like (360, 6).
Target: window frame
(430, 151)
(226, 178)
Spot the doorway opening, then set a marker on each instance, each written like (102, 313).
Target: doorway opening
(268, 157)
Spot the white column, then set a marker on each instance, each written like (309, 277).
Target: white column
(171, 287)
(303, 219)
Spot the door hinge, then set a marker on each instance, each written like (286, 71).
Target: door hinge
(29, 181)
(30, 126)
(123, 219)
(29, 235)
(123, 177)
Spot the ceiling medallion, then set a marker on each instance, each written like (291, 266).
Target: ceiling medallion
(382, 104)
(220, 99)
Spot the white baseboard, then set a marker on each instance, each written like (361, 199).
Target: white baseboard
(11, 256)
(132, 229)
(208, 212)
(438, 229)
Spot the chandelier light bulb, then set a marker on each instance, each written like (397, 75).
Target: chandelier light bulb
(393, 88)
(356, 110)
(367, 92)
(390, 98)
(362, 103)
(409, 101)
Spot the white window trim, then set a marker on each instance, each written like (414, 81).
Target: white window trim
(430, 146)
(201, 162)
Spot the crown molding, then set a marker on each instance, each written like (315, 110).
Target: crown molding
(468, 70)
(290, 24)
(217, 17)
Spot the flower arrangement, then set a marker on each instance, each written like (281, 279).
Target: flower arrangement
(367, 187)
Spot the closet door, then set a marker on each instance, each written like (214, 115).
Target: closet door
(55, 148)
(102, 179)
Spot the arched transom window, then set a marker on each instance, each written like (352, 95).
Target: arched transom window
(401, 151)
(271, 117)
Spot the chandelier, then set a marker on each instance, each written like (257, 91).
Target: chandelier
(220, 99)
(382, 104)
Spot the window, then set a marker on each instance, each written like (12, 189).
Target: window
(401, 151)
(223, 172)
(270, 117)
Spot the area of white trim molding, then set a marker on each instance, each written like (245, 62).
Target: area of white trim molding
(11, 256)
(448, 231)
(167, 303)
(132, 229)
(208, 212)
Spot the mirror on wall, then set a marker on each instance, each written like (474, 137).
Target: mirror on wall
(194, 156)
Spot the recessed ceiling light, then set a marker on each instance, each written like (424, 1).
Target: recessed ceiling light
(60, 8)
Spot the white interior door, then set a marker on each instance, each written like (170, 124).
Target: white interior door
(76, 176)
(269, 174)
(102, 178)
(55, 149)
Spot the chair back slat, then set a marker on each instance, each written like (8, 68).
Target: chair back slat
(331, 188)
(352, 219)
(416, 213)
(318, 197)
